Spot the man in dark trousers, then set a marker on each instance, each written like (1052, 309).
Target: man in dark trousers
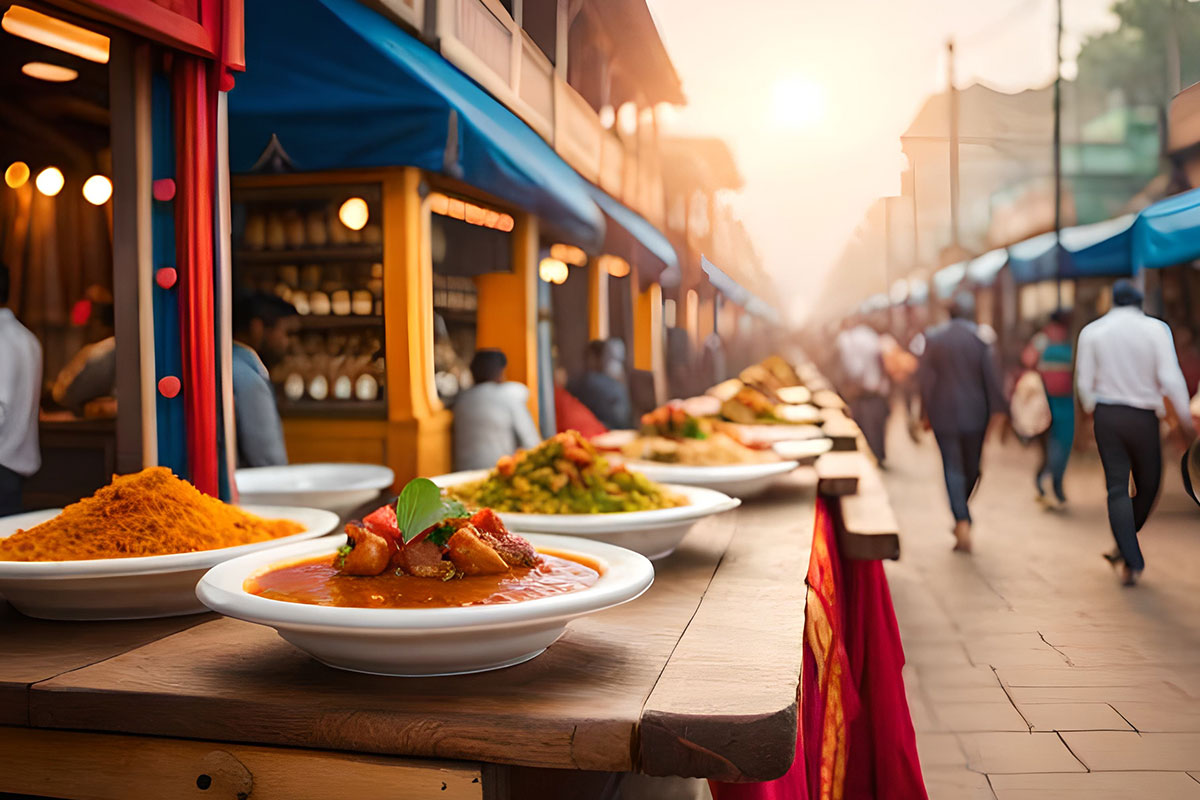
(960, 391)
(1126, 366)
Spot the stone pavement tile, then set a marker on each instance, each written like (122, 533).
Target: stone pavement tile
(934, 677)
(937, 654)
(939, 750)
(1073, 717)
(969, 694)
(1152, 692)
(1018, 752)
(1078, 676)
(923, 718)
(1128, 655)
(957, 784)
(1097, 786)
(1161, 717)
(1107, 751)
(967, 717)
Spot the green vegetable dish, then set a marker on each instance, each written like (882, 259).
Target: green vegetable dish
(564, 475)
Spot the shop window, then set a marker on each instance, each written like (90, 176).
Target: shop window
(539, 18)
(586, 67)
(319, 248)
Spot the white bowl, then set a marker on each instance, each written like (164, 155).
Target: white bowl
(130, 588)
(736, 480)
(424, 641)
(654, 534)
(339, 488)
(769, 434)
(803, 450)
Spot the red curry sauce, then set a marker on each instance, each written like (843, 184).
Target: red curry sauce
(317, 582)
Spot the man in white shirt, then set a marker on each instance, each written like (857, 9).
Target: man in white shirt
(491, 419)
(20, 385)
(865, 384)
(1126, 365)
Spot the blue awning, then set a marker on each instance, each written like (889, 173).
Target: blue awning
(633, 237)
(982, 270)
(1098, 250)
(946, 280)
(341, 87)
(1168, 232)
(918, 292)
(737, 293)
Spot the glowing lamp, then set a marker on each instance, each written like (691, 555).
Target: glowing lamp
(614, 265)
(551, 270)
(49, 181)
(569, 253)
(354, 213)
(54, 32)
(97, 189)
(49, 72)
(17, 174)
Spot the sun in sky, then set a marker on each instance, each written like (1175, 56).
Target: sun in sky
(798, 102)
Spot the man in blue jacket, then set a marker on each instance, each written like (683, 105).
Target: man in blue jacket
(960, 392)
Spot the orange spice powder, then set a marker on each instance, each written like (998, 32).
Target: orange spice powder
(148, 513)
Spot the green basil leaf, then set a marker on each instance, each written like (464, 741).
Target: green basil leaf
(419, 507)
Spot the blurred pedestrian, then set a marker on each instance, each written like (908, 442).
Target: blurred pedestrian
(491, 419)
(1126, 366)
(960, 392)
(20, 387)
(1050, 353)
(865, 383)
(600, 388)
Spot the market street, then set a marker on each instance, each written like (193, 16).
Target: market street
(1031, 673)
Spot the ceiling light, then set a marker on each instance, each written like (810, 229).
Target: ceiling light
(614, 265)
(17, 174)
(49, 72)
(569, 253)
(53, 32)
(49, 181)
(551, 270)
(97, 189)
(354, 213)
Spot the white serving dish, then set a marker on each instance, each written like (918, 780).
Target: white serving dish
(614, 440)
(798, 414)
(736, 480)
(654, 534)
(130, 588)
(424, 641)
(339, 488)
(803, 450)
(770, 434)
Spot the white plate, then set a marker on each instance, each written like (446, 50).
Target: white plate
(130, 588)
(654, 534)
(798, 414)
(340, 488)
(736, 480)
(795, 395)
(768, 435)
(613, 440)
(804, 449)
(424, 641)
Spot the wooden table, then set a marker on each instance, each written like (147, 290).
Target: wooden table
(699, 677)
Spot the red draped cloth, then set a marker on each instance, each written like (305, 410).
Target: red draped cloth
(855, 740)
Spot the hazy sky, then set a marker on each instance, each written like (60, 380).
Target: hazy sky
(814, 94)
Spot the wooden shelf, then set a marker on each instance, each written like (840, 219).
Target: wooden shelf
(342, 409)
(309, 255)
(325, 322)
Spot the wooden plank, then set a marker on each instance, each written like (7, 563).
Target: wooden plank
(867, 526)
(577, 706)
(843, 431)
(97, 766)
(838, 473)
(37, 650)
(726, 705)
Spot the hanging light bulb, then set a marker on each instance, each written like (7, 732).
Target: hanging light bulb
(53, 73)
(354, 213)
(17, 174)
(551, 270)
(97, 189)
(49, 181)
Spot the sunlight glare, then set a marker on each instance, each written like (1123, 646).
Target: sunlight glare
(798, 102)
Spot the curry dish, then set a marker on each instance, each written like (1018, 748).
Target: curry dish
(564, 475)
(320, 582)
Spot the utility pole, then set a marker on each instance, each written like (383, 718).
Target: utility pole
(1058, 158)
(952, 94)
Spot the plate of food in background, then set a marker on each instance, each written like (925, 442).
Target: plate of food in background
(565, 485)
(426, 587)
(672, 446)
(136, 548)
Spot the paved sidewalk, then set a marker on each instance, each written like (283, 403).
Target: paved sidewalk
(1032, 674)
